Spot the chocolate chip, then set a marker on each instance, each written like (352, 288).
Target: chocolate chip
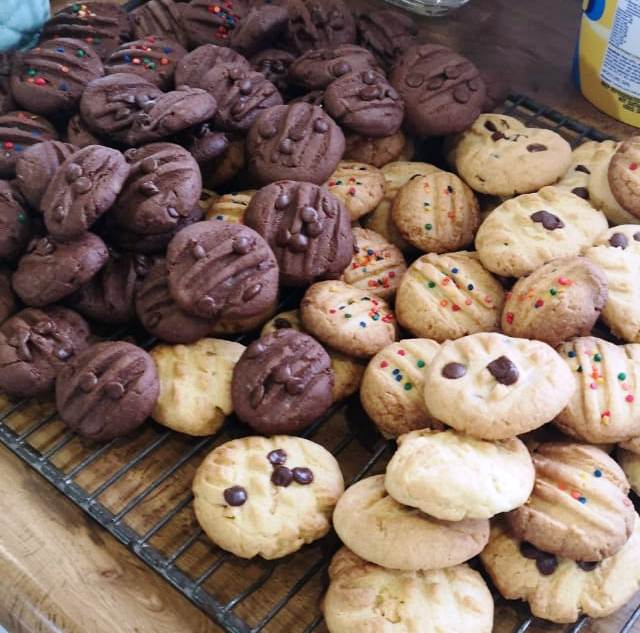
(587, 565)
(309, 214)
(198, 252)
(59, 213)
(235, 73)
(582, 168)
(435, 83)
(206, 304)
(235, 496)
(491, 126)
(268, 130)
(114, 390)
(82, 185)
(277, 457)
(341, 68)
(255, 349)
(281, 323)
(548, 220)
(314, 229)
(619, 240)
(286, 146)
(636, 236)
(546, 564)
(282, 201)
(461, 94)
(251, 292)
(302, 475)
(496, 136)
(148, 188)
(298, 243)
(88, 381)
(74, 171)
(369, 77)
(503, 370)
(149, 165)
(64, 353)
(256, 396)
(245, 87)
(536, 147)
(528, 550)
(581, 192)
(173, 212)
(281, 476)
(454, 371)
(320, 126)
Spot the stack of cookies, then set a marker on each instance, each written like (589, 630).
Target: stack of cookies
(185, 168)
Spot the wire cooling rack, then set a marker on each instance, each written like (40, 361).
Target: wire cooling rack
(139, 489)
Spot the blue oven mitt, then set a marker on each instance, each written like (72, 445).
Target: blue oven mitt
(21, 21)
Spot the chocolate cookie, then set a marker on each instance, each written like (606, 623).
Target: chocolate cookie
(222, 271)
(50, 78)
(387, 33)
(442, 90)
(365, 103)
(162, 18)
(203, 143)
(282, 383)
(110, 105)
(104, 25)
(315, 24)
(15, 225)
(192, 69)
(260, 28)
(109, 296)
(37, 165)
(209, 22)
(35, 345)
(19, 130)
(108, 390)
(79, 134)
(52, 270)
(160, 314)
(274, 65)
(294, 142)
(152, 58)
(316, 69)
(83, 188)
(308, 229)
(241, 95)
(8, 304)
(164, 185)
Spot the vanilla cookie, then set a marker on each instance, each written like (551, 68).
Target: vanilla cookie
(363, 597)
(500, 156)
(560, 589)
(230, 207)
(359, 186)
(557, 301)
(348, 319)
(379, 529)
(377, 266)
(266, 496)
(579, 507)
(448, 296)
(392, 386)
(576, 179)
(630, 463)
(605, 406)
(453, 477)
(347, 371)
(624, 175)
(378, 151)
(195, 384)
(436, 213)
(526, 232)
(494, 387)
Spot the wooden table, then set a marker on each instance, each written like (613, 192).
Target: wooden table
(59, 570)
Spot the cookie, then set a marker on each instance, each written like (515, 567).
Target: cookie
(241, 94)
(442, 90)
(8, 303)
(227, 166)
(577, 177)
(348, 319)
(162, 189)
(78, 134)
(436, 213)
(221, 271)
(274, 64)
(624, 177)
(109, 105)
(630, 464)
(192, 68)
(161, 316)
(35, 345)
(82, 189)
(557, 301)
(560, 589)
(376, 267)
(500, 156)
(448, 296)
(37, 165)
(52, 270)
(294, 142)
(230, 207)
(387, 33)
(18, 131)
(362, 597)
(260, 28)
(204, 143)
(282, 383)
(494, 387)
(103, 25)
(530, 230)
(574, 484)
(375, 151)
(308, 229)
(205, 25)
(195, 384)
(160, 18)
(452, 477)
(347, 371)
(266, 496)
(320, 25)
(107, 391)
(16, 227)
(319, 67)
(605, 407)
(382, 531)
(392, 387)
(153, 58)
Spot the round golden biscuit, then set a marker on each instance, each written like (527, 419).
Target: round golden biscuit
(360, 187)
(230, 207)
(624, 175)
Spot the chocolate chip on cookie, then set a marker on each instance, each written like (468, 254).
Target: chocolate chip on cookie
(160, 18)
(261, 27)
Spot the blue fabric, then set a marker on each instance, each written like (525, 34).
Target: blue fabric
(21, 21)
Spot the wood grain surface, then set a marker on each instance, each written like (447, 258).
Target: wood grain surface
(62, 572)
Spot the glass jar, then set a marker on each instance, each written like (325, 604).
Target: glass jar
(429, 7)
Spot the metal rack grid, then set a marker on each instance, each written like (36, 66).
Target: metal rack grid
(114, 496)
